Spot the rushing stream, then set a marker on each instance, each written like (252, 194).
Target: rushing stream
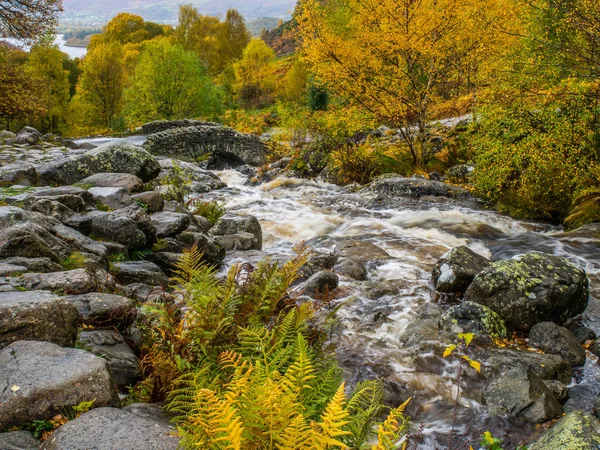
(378, 332)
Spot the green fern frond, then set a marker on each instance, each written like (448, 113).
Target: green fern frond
(365, 407)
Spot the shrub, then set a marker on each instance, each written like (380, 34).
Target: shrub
(76, 260)
(212, 211)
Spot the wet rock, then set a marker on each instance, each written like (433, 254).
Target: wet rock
(192, 142)
(169, 223)
(78, 281)
(102, 310)
(114, 157)
(151, 201)
(123, 365)
(6, 135)
(142, 220)
(429, 310)
(21, 173)
(455, 271)
(18, 440)
(320, 283)
(117, 180)
(200, 180)
(79, 241)
(351, 268)
(240, 241)
(577, 430)
(28, 136)
(129, 272)
(30, 240)
(596, 407)
(556, 340)
(416, 187)
(45, 379)
(39, 265)
(520, 393)
(360, 251)
(120, 229)
(317, 262)
(531, 288)
(113, 197)
(36, 316)
(231, 224)
(131, 428)
(170, 245)
(167, 261)
(581, 332)
(7, 270)
(559, 390)
(461, 173)
(546, 367)
(144, 293)
(73, 197)
(49, 208)
(469, 317)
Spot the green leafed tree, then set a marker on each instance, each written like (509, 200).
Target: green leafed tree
(170, 83)
(255, 75)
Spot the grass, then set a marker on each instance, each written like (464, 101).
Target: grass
(76, 260)
(212, 211)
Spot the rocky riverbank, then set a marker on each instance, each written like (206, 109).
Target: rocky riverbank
(87, 236)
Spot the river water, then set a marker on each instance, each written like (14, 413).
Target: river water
(377, 332)
(73, 52)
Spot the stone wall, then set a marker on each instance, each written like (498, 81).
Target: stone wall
(191, 143)
(164, 125)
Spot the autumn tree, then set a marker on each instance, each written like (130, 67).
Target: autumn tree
(392, 56)
(255, 75)
(169, 83)
(293, 87)
(234, 38)
(46, 65)
(28, 19)
(100, 89)
(126, 28)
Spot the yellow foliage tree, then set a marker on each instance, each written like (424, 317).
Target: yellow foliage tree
(255, 74)
(394, 56)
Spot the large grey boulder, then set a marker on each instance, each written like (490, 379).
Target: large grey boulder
(151, 201)
(123, 180)
(21, 173)
(556, 340)
(231, 224)
(30, 240)
(132, 428)
(169, 223)
(200, 180)
(102, 310)
(320, 283)
(361, 251)
(129, 272)
(521, 393)
(73, 197)
(142, 220)
(546, 367)
(42, 379)
(531, 288)
(351, 268)
(72, 282)
(36, 316)
(114, 157)
(39, 265)
(578, 430)
(18, 440)
(454, 272)
(113, 197)
(469, 317)
(120, 229)
(190, 143)
(416, 187)
(124, 366)
(28, 136)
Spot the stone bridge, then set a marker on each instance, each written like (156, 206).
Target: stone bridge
(191, 143)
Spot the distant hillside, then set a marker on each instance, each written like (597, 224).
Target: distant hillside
(282, 39)
(166, 11)
(256, 26)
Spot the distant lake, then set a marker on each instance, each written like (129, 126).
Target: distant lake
(73, 52)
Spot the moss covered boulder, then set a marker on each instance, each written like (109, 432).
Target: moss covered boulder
(469, 317)
(531, 288)
(114, 157)
(578, 430)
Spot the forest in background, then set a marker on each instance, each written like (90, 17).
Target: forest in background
(526, 72)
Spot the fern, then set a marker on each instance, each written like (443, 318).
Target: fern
(365, 407)
(332, 423)
(392, 430)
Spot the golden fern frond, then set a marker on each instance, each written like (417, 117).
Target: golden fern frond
(188, 266)
(296, 436)
(181, 401)
(333, 421)
(393, 429)
(302, 371)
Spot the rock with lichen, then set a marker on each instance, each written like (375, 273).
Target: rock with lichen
(455, 271)
(578, 430)
(469, 317)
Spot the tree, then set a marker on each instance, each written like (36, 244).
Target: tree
(394, 56)
(28, 19)
(294, 85)
(170, 83)
(234, 38)
(255, 75)
(101, 83)
(46, 64)
(126, 28)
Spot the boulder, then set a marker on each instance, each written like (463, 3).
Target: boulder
(190, 143)
(116, 180)
(49, 207)
(169, 223)
(201, 180)
(72, 197)
(7, 270)
(102, 310)
(18, 440)
(151, 201)
(7, 136)
(78, 241)
(120, 229)
(21, 173)
(557, 340)
(130, 428)
(531, 288)
(576, 431)
(114, 157)
(469, 317)
(212, 252)
(28, 136)
(231, 224)
(123, 365)
(39, 265)
(455, 271)
(521, 393)
(351, 268)
(78, 281)
(142, 220)
(36, 316)
(581, 332)
(43, 379)
(320, 283)
(416, 187)
(113, 197)
(546, 367)
(559, 390)
(461, 173)
(30, 240)
(239, 241)
(128, 272)
(361, 251)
